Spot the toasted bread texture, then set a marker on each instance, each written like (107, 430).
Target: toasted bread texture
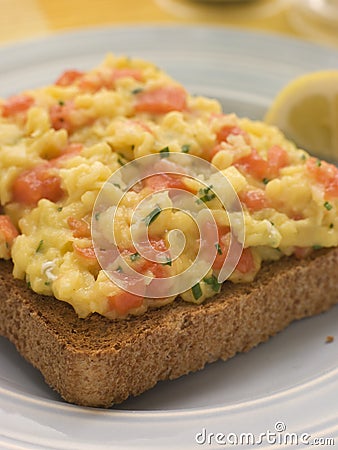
(98, 362)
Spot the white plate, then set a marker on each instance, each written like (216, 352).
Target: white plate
(290, 382)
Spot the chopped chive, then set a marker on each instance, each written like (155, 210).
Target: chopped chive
(303, 157)
(317, 247)
(328, 206)
(117, 185)
(212, 281)
(272, 223)
(164, 153)
(205, 190)
(119, 269)
(132, 147)
(29, 284)
(137, 90)
(61, 103)
(168, 262)
(265, 180)
(97, 215)
(185, 148)
(39, 247)
(47, 283)
(7, 245)
(196, 291)
(134, 256)
(218, 248)
(121, 159)
(152, 215)
(59, 209)
(331, 225)
(318, 163)
(207, 198)
(206, 195)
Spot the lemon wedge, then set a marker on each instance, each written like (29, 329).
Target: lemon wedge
(306, 111)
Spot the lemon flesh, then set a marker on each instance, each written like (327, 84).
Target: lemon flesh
(306, 111)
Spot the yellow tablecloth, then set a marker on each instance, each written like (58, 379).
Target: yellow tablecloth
(21, 19)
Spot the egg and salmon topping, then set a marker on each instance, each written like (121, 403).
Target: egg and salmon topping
(59, 145)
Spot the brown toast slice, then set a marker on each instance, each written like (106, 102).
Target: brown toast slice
(98, 362)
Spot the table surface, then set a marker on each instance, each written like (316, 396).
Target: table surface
(22, 19)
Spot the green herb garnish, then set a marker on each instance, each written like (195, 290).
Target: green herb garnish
(196, 291)
(164, 153)
(328, 206)
(218, 248)
(331, 225)
(206, 195)
(185, 148)
(39, 247)
(265, 180)
(59, 209)
(168, 261)
(137, 90)
(317, 247)
(97, 215)
(121, 159)
(318, 163)
(212, 281)
(152, 215)
(134, 257)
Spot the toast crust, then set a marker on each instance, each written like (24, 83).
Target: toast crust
(99, 362)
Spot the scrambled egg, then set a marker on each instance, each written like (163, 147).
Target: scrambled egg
(59, 145)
